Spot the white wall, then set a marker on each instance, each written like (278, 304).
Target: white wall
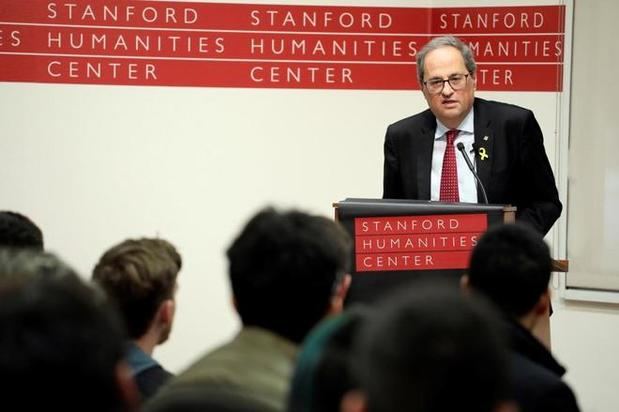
(584, 339)
(585, 336)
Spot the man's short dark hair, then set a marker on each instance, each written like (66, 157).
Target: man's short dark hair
(138, 275)
(431, 349)
(511, 265)
(60, 344)
(19, 232)
(284, 268)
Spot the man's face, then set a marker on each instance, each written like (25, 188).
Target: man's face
(449, 106)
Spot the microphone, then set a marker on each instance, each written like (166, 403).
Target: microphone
(460, 147)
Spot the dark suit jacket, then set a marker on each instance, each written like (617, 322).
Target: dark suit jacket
(536, 375)
(516, 171)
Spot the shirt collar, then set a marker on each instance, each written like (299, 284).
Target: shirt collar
(467, 125)
(137, 359)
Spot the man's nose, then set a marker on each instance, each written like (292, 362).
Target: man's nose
(447, 89)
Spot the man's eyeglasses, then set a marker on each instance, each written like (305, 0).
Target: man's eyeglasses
(456, 82)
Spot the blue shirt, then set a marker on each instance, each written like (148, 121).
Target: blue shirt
(138, 360)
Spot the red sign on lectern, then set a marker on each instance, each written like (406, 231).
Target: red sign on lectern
(416, 242)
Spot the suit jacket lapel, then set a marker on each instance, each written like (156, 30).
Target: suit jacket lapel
(424, 156)
(484, 144)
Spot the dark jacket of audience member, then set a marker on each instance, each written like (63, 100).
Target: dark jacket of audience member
(61, 345)
(139, 276)
(287, 271)
(537, 383)
(511, 265)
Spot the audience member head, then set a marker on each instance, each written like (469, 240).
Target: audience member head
(19, 232)
(61, 346)
(431, 349)
(288, 270)
(324, 373)
(511, 265)
(140, 276)
(20, 265)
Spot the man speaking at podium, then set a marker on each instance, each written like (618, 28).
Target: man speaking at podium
(425, 154)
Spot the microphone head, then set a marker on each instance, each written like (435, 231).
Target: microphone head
(460, 146)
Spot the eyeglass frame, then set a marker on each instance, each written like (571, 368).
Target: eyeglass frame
(448, 80)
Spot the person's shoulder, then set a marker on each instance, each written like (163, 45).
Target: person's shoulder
(155, 372)
(413, 122)
(250, 348)
(215, 367)
(532, 378)
(242, 365)
(528, 370)
(534, 385)
(151, 379)
(500, 109)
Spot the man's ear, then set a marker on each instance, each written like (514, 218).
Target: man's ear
(354, 401)
(167, 309)
(339, 296)
(543, 303)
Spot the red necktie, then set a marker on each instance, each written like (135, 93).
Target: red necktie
(449, 176)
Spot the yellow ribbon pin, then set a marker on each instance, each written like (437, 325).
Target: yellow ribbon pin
(482, 153)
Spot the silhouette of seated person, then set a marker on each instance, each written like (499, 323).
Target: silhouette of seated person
(140, 277)
(511, 265)
(61, 346)
(431, 349)
(288, 271)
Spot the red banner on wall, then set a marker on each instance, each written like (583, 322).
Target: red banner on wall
(163, 43)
